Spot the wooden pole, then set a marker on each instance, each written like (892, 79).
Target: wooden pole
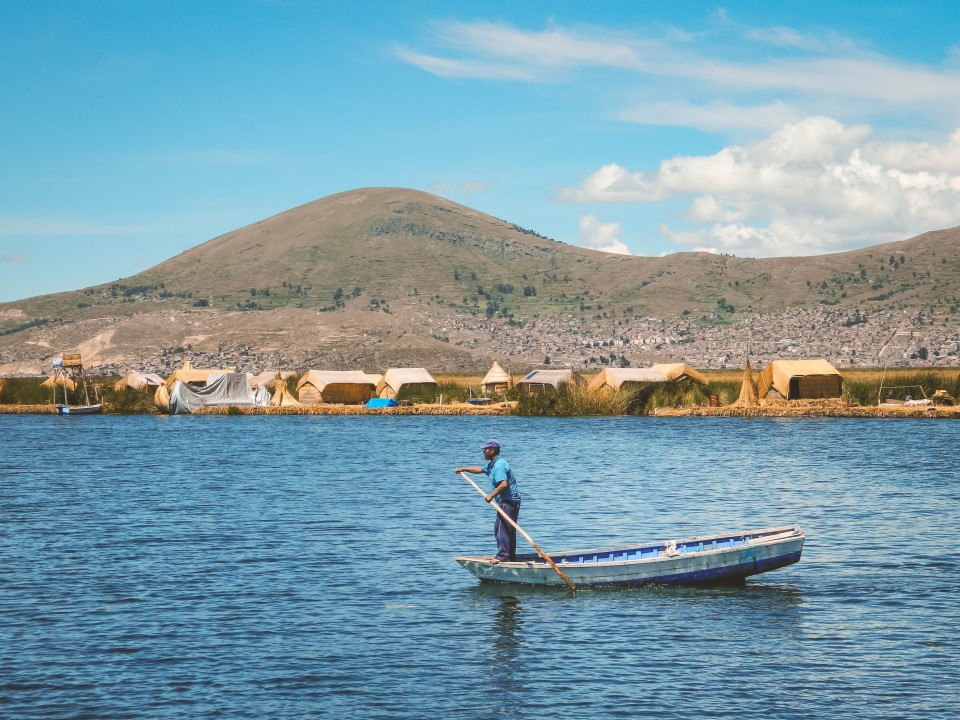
(504, 516)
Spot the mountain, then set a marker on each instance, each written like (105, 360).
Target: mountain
(385, 276)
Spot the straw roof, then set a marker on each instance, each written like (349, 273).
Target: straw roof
(553, 378)
(59, 379)
(748, 390)
(335, 386)
(395, 378)
(615, 377)
(680, 371)
(268, 378)
(138, 381)
(778, 373)
(496, 375)
(321, 378)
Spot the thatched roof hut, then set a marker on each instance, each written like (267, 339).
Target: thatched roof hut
(138, 381)
(268, 378)
(539, 381)
(335, 386)
(677, 372)
(497, 380)
(59, 379)
(412, 379)
(796, 379)
(616, 378)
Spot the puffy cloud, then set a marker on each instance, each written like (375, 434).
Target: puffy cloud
(811, 187)
(601, 235)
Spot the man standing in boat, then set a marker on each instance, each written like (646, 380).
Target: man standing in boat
(505, 492)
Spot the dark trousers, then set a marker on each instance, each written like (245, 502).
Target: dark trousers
(505, 533)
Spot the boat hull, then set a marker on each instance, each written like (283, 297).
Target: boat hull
(715, 559)
(78, 409)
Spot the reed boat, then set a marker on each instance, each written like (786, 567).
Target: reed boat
(700, 560)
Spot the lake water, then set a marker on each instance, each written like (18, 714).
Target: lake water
(301, 567)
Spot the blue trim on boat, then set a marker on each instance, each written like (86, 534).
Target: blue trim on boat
(710, 575)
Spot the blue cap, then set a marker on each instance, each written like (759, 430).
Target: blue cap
(490, 444)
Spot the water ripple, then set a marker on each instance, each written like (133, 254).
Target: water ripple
(300, 567)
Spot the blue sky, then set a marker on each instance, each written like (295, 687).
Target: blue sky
(133, 130)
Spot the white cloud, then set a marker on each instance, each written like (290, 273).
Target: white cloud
(811, 187)
(446, 67)
(603, 236)
(719, 116)
(743, 78)
(14, 258)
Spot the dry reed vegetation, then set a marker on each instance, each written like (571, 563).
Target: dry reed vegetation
(862, 389)
(864, 386)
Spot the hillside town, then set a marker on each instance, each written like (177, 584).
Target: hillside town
(845, 339)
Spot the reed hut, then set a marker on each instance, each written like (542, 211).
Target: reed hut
(678, 372)
(268, 378)
(540, 381)
(413, 380)
(138, 381)
(799, 379)
(59, 380)
(497, 380)
(625, 378)
(335, 386)
(748, 390)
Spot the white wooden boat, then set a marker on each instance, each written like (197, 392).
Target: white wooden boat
(700, 560)
(78, 409)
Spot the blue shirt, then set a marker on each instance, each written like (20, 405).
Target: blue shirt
(499, 470)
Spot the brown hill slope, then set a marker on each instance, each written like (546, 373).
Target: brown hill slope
(421, 261)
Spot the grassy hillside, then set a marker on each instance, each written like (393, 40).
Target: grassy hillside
(386, 247)
(414, 256)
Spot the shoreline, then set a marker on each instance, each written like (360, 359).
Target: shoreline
(812, 410)
(449, 409)
(946, 412)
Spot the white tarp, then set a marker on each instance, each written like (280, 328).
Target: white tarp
(229, 389)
